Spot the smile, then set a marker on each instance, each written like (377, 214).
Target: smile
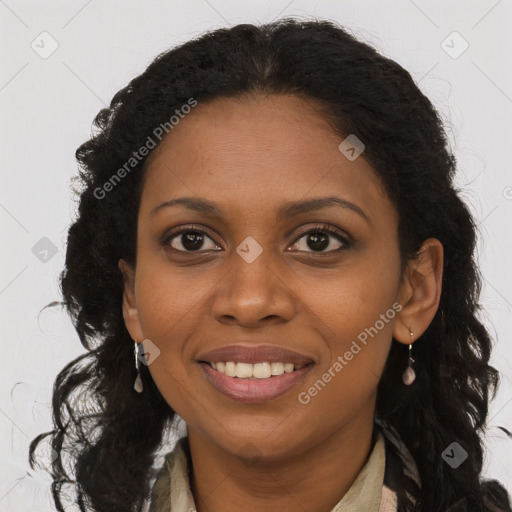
(254, 383)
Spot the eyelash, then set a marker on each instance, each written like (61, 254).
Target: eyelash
(323, 228)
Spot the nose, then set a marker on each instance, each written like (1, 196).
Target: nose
(253, 293)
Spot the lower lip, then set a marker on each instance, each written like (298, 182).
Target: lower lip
(257, 390)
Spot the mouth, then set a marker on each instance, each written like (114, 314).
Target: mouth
(253, 383)
(249, 373)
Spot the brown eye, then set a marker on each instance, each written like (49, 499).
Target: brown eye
(189, 240)
(321, 239)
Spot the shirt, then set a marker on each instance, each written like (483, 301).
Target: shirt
(368, 493)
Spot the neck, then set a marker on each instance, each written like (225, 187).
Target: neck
(314, 480)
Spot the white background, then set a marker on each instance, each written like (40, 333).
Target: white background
(47, 109)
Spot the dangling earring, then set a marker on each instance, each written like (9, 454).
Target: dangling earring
(138, 381)
(409, 376)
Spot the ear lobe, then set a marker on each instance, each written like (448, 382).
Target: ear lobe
(130, 310)
(420, 292)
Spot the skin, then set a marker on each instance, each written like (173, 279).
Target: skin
(250, 155)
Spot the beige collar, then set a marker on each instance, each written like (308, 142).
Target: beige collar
(171, 491)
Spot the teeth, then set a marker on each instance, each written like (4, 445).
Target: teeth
(230, 369)
(276, 368)
(263, 370)
(288, 367)
(243, 370)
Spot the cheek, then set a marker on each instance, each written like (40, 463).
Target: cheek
(356, 310)
(167, 298)
(358, 342)
(169, 311)
(353, 298)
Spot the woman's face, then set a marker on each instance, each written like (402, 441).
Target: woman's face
(260, 276)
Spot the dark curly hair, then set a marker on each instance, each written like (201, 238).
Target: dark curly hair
(106, 436)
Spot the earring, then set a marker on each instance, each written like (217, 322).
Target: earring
(138, 381)
(409, 376)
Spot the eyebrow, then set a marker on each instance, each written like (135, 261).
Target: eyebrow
(286, 210)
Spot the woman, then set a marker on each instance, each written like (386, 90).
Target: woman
(269, 245)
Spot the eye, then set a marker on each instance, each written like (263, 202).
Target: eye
(189, 239)
(321, 238)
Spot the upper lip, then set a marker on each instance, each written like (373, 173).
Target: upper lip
(254, 354)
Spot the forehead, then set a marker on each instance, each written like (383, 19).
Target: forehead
(256, 150)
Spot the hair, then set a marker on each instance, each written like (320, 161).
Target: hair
(105, 435)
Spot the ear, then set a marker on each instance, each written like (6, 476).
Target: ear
(130, 311)
(420, 292)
